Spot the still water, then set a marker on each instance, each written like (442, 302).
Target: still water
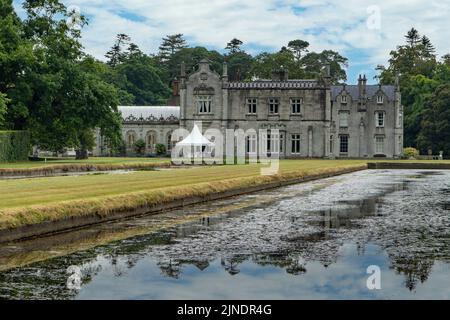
(308, 241)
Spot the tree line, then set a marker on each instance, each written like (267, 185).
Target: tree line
(52, 88)
(425, 86)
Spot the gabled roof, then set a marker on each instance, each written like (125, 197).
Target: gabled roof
(371, 90)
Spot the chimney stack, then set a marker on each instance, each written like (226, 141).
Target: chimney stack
(225, 70)
(364, 83)
(280, 74)
(397, 82)
(183, 69)
(204, 65)
(175, 87)
(360, 87)
(328, 70)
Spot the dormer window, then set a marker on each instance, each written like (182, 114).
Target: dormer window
(344, 99)
(380, 99)
(204, 104)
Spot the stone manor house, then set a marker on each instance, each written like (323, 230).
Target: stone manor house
(314, 119)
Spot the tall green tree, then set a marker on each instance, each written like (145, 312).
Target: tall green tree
(118, 51)
(313, 64)
(416, 65)
(309, 66)
(298, 47)
(234, 46)
(3, 101)
(133, 49)
(239, 65)
(446, 59)
(138, 76)
(66, 103)
(264, 63)
(191, 57)
(170, 45)
(412, 37)
(435, 124)
(239, 62)
(16, 58)
(428, 47)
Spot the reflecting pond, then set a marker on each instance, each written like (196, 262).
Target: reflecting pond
(307, 241)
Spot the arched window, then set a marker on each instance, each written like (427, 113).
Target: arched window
(151, 141)
(131, 138)
(169, 141)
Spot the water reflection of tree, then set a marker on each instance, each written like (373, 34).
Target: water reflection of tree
(171, 269)
(231, 265)
(414, 269)
(292, 263)
(295, 250)
(48, 279)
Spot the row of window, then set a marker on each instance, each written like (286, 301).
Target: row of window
(131, 138)
(274, 105)
(204, 105)
(251, 144)
(380, 118)
(272, 144)
(205, 102)
(344, 99)
(343, 144)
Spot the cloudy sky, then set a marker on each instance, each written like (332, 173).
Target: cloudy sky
(364, 31)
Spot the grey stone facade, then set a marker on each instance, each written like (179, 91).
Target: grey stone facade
(154, 125)
(314, 119)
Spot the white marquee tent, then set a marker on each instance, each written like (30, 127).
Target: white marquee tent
(194, 143)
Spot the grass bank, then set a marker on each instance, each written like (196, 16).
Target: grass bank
(56, 166)
(35, 201)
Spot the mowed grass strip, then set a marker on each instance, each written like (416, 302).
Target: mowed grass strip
(94, 161)
(31, 201)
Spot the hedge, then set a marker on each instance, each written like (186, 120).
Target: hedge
(14, 146)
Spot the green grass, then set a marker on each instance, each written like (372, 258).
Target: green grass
(71, 161)
(24, 192)
(29, 201)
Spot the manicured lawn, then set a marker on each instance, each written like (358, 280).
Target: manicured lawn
(25, 192)
(97, 160)
(30, 201)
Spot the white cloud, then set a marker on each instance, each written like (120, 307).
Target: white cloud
(326, 24)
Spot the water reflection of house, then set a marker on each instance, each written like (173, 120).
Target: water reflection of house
(337, 217)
